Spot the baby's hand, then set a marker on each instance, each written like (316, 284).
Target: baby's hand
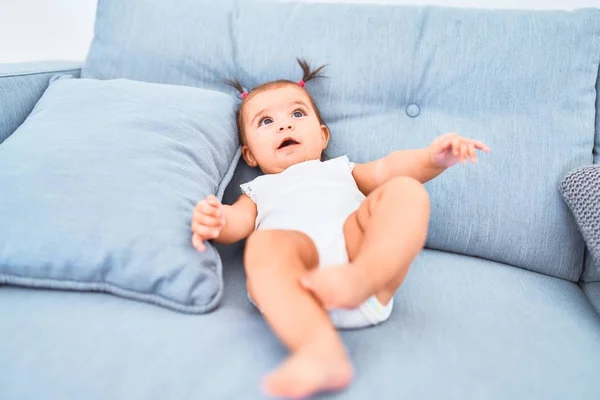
(448, 149)
(207, 221)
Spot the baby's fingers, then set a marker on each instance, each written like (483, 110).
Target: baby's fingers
(213, 201)
(472, 153)
(206, 208)
(197, 243)
(464, 149)
(480, 145)
(205, 232)
(207, 220)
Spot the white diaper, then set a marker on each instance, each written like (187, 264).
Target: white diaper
(371, 312)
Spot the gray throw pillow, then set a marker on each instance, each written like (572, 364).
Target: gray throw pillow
(581, 191)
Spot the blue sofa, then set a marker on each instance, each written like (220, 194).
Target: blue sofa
(504, 302)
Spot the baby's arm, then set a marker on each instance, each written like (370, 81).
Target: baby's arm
(224, 223)
(413, 163)
(421, 164)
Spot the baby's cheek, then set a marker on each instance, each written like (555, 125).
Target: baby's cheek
(256, 140)
(266, 143)
(263, 150)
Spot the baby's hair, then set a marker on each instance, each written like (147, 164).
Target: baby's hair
(235, 83)
(308, 74)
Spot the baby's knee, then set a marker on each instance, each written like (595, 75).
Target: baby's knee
(259, 239)
(407, 187)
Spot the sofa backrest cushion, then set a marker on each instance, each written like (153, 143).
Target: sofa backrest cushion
(399, 76)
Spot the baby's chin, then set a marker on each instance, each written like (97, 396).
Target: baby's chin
(285, 161)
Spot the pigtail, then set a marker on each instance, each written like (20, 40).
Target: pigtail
(237, 85)
(307, 73)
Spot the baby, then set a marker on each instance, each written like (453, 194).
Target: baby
(329, 242)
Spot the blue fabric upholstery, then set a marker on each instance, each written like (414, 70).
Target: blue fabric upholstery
(440, 70)
(186, 44)
(592, 291)
(98, 187)
(591, 271)
(522, 81)
(21, 86)
(462, 328)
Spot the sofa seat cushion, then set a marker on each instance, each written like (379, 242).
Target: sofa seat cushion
(462, 328)
(592, 291)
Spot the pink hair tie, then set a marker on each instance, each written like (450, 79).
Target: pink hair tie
(301, 83)
(244, 95)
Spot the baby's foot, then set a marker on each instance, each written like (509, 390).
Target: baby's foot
(319, 366)
(339, 286)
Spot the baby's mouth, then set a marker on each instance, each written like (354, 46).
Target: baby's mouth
(287, 142)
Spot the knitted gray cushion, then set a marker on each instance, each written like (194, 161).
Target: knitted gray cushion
(581, 191)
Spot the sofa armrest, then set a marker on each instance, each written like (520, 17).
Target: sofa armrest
(22, 85)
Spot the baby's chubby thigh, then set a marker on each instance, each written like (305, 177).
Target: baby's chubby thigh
(353, 235)
(276, 243)
(277, 255)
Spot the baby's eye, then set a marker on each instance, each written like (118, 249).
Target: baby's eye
(265, 121)
(298, 114)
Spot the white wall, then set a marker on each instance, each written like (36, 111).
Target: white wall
(505, 4)
(62, 29)
(45, 29)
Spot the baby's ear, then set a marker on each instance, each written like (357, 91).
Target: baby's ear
(325, 134)
(248, 156)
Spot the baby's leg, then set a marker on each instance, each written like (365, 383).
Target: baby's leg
(275, 261)
(382, 238)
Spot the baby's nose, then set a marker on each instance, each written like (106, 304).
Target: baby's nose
(289, 126)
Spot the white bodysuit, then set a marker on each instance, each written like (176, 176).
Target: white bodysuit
(315, 197)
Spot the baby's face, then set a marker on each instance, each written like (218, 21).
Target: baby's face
(281, 129)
